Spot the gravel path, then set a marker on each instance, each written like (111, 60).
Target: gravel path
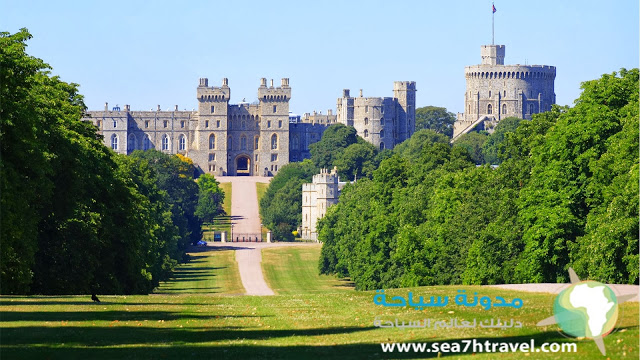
(246, 220)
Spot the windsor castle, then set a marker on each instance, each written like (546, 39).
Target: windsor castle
(257, 139)
(253, 139)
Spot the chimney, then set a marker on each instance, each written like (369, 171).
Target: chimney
(106, 106)
(271, 82)
(329, 112)
(127, 108)
(176, 108)
(345, 93)
(263, 82)
(204, 82)
(158, 107)
(360, 92)
(225, 82)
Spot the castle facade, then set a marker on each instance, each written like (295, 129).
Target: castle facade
(382, 121)
(252, 139)
(495, 91)
(317, 197)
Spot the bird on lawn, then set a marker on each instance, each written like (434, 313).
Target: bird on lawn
(94, 297)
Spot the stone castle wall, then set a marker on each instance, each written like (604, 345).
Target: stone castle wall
(495, 91)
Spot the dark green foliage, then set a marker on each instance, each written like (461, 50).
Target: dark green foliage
(76, 217)
(175, 177)
(435, 118)
(473, 142)
(334, 140)
(491, 147)
(210, 198)
(565, 194)
(280, 207)
(357, 161)
(411, 149)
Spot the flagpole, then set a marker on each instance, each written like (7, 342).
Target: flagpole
(493, 13)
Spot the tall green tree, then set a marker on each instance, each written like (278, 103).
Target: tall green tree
(210, 198)
(334, 140)
(491, 147)
(435, 118)
(280, 207)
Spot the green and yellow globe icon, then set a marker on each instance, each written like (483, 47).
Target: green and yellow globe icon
(586, 309)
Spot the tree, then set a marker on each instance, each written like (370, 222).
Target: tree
(435, 118)
(281, 205)
(357, 161)
(490, 148)
(334, 140)
(210, 198)
(473, 142)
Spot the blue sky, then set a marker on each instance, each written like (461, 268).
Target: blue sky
(146, 53)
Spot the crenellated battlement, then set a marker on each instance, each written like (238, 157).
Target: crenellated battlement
(213, 93)
(271, 93)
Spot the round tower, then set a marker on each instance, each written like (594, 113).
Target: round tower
(496, 91)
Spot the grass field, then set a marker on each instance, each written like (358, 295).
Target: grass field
(209, 271)
(309, 323)
(294, 270)
(221, 223)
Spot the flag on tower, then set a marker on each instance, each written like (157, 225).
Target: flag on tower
(494, 8)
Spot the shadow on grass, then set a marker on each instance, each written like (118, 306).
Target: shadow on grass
(178, 344)
(118, 315)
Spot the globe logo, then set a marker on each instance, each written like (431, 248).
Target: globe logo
(586, 309)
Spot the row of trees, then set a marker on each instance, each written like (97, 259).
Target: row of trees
(565, 194)
(76, 217)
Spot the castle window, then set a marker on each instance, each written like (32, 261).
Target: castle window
(275, 167)
(366, 108)
(212, 157)
(256, 143)
(257, 124)
(243, 125)
(182, 143)
(229, 143)
(295, 142)
(256, 157)
(212, 141)
(182, 124)
(505, 93)
(269, 123)
(114, 142)
(98, 124)
(274, 157)
(366, 133)
(382, 146)
(275, 108)
(165, 142)
(366, 121)
(213, 109)
(132, 143)
(274, 141)
(489, 93)
(147, 142)
(206, 123)
(279, 123)
(381, 133)
(530, 108)
(381, 109)
(146, 123)
(217, 123)
(489, 109)
(381, 121)
(165, 123)
(115, 123)
(243, 142)
(504, 109)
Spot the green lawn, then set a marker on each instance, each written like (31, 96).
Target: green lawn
(309, 323)
(209, 271)
(223, 222)
(294, 270)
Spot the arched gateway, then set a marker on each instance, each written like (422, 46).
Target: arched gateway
(243, 165)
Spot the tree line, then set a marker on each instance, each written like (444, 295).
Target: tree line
(75, 217)
(564, 195)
